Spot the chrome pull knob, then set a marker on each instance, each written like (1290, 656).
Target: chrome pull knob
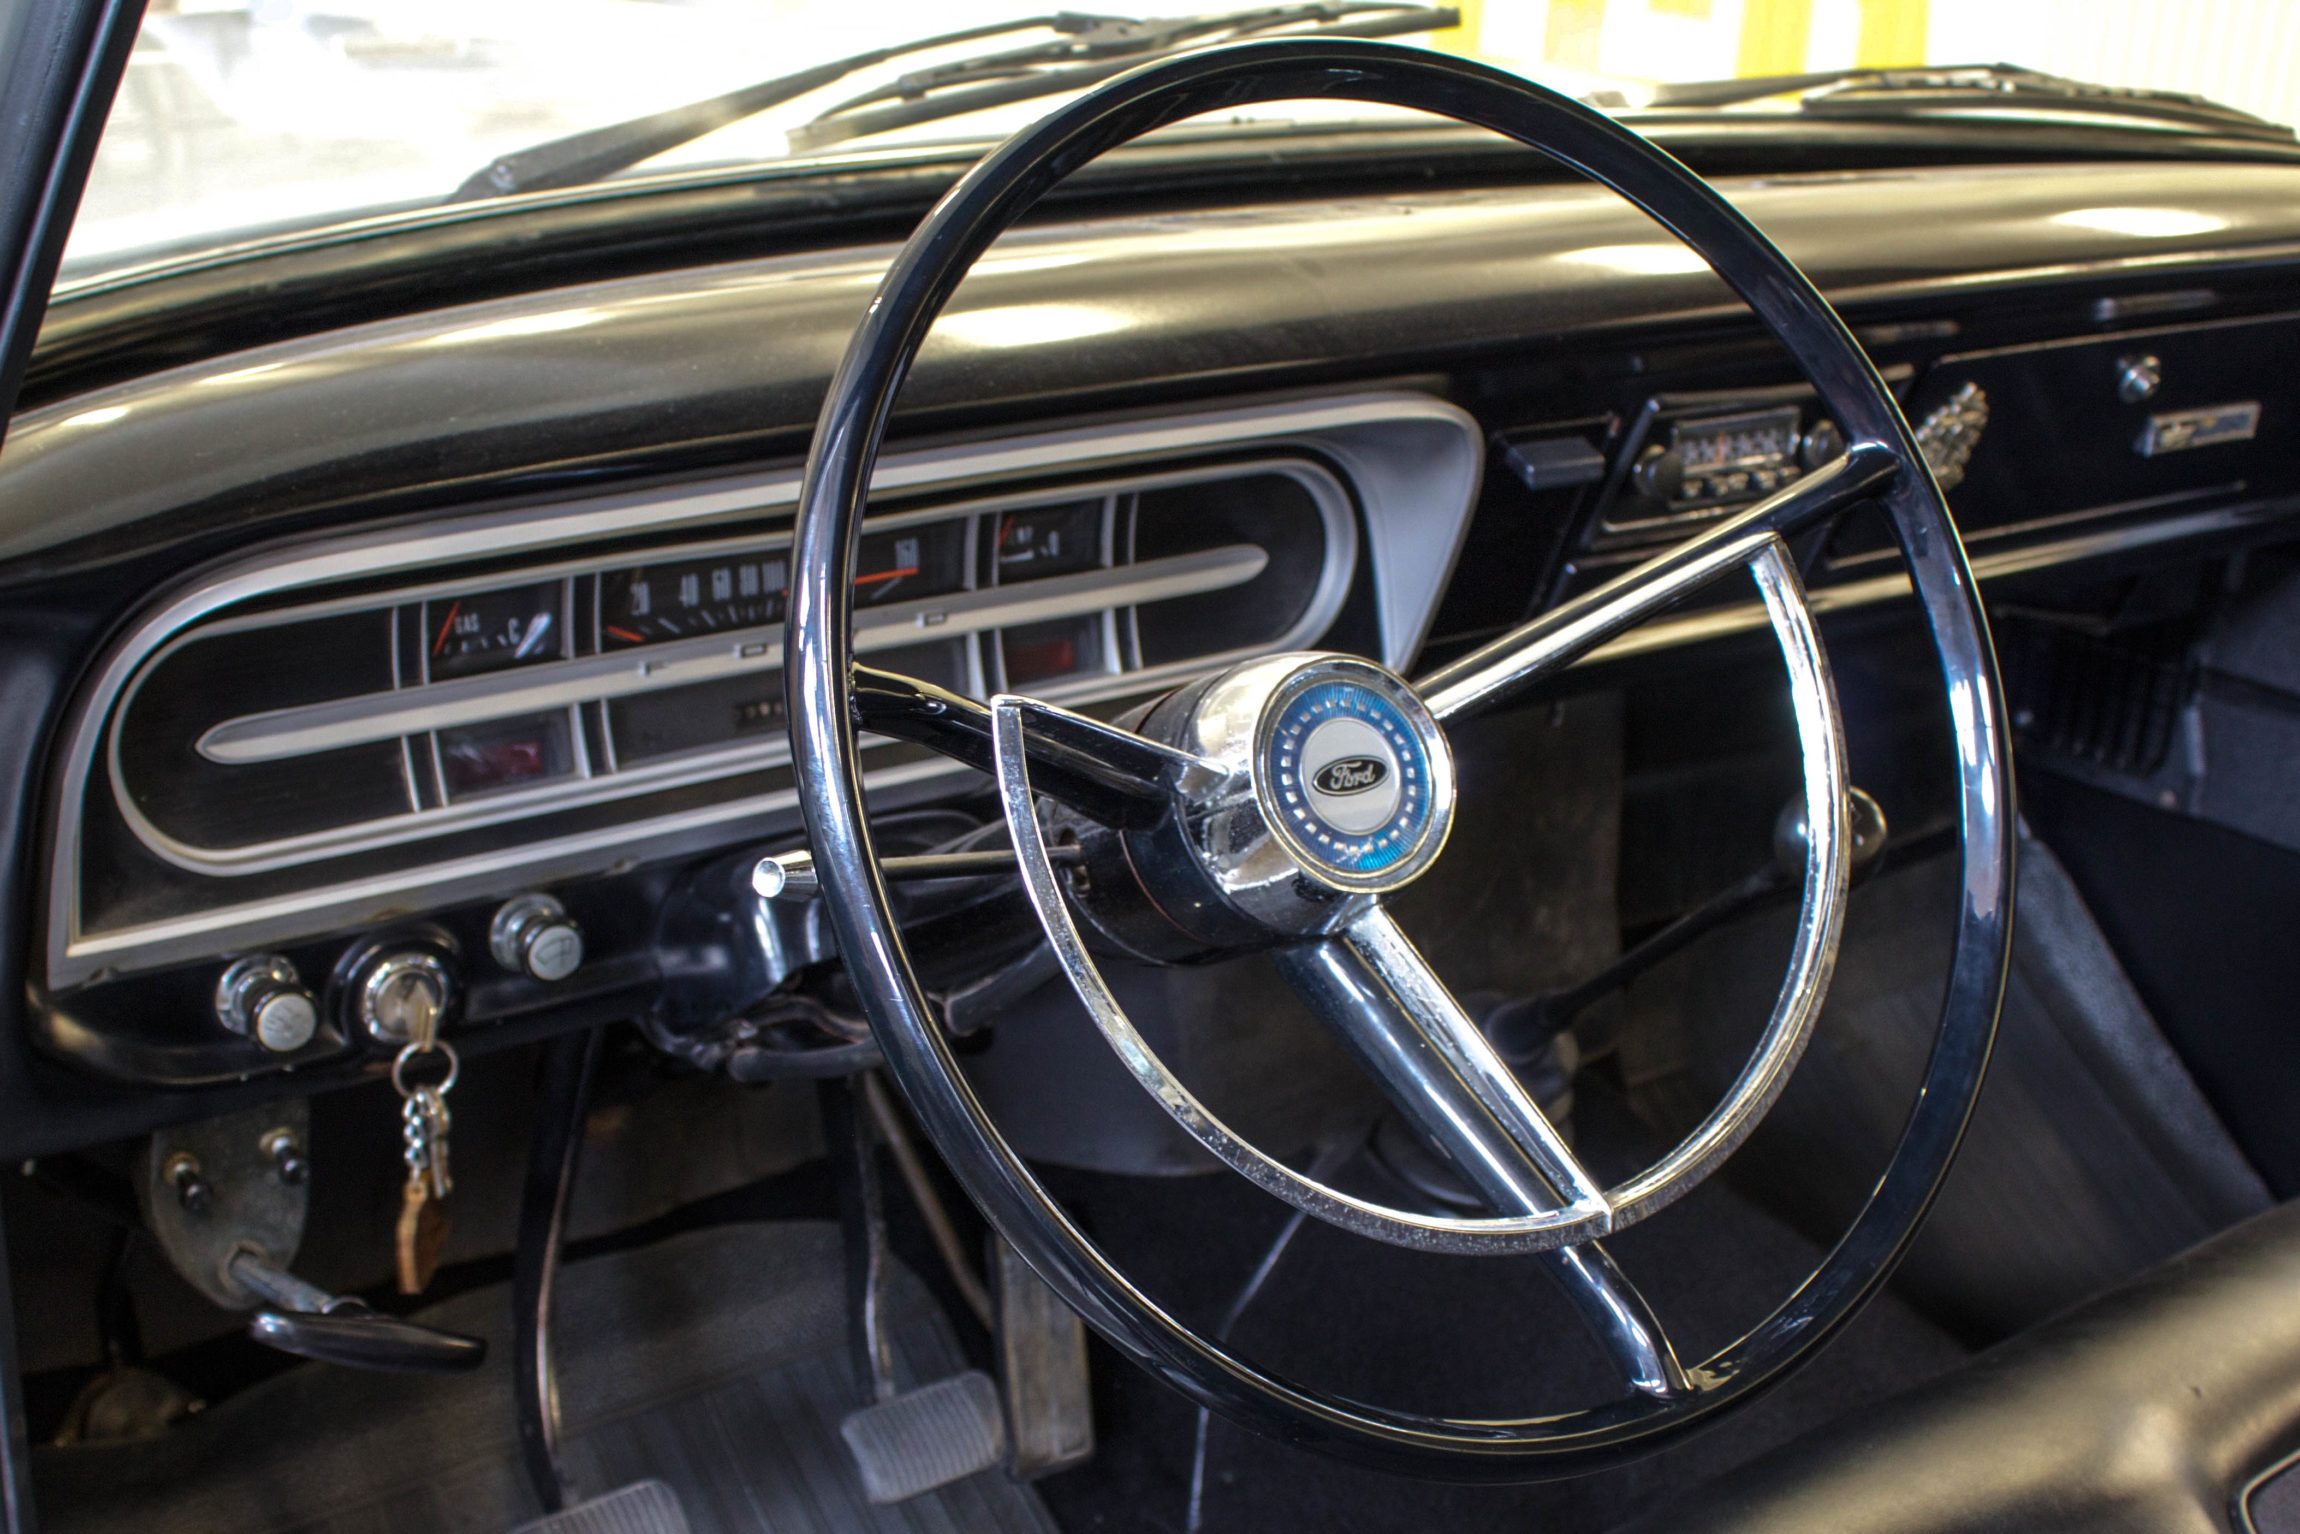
(261, 998)
(2138, 377)
(534, 936)
(786, 876)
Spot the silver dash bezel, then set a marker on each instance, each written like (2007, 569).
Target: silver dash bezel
(1410, 462)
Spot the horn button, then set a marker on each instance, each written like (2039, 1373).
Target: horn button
(1335, 783)
(1349, 781)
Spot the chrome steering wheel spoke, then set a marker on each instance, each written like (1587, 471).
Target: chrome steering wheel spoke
(1497, 671)
(1374, 989)
(1364, 977)
(1112, 776)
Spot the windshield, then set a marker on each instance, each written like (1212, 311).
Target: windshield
(238, 117)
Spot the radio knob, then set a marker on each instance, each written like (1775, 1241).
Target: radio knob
(262, 999)
(1825, 443)
(1659, 474)
(534, 936)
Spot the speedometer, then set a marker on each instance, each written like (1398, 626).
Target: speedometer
(648, 604)
(651, 603)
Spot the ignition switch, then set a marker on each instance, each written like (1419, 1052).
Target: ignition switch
(398, 993)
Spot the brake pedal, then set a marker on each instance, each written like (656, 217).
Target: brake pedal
(927, 1437)
(643, 1507)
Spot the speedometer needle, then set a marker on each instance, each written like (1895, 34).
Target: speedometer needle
(886, 575)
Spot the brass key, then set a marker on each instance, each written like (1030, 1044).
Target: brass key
(424, 1121)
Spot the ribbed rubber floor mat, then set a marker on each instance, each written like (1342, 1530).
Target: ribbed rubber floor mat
(715, 1362)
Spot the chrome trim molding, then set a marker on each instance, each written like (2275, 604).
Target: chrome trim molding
(292, 732)
(565, 684)
(1411, 461)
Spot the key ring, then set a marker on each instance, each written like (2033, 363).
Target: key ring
(399, 1067)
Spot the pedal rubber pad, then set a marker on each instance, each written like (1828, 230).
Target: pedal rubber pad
(926, 1438)
(643, 1507)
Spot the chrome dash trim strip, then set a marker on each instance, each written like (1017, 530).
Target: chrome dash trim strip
(291, 732)
(306, 912)
(685, 662)
(1411, 462)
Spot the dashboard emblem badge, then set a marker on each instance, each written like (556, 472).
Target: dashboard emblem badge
(1350, 775)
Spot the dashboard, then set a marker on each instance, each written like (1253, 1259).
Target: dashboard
(330, 733)
(363, 638)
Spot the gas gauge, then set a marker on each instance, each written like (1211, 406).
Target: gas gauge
(493, 630)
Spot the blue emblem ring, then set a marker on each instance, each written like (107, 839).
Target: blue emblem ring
(1350, 778)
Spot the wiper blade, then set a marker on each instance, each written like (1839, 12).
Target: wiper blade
(1967, 88)
(1089, 48)
(1726, 93)
(974, 85)
(597, 152)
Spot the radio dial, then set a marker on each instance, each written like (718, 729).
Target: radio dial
(1660, 474)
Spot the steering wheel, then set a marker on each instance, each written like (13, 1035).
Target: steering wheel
(1274, 805)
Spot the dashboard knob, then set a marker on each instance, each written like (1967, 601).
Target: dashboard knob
(1659, 474)
(534, 936)
(401, 994)
(2138, 377)
(1825, 443)
(261, 998)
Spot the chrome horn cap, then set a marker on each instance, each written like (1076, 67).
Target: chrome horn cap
(1340, 783)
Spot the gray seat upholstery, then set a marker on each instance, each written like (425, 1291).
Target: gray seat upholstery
(2146, 1408)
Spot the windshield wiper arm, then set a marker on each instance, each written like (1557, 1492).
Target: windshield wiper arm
(1091, 48)
(598, 152)
(1846, 93)
(974, 85)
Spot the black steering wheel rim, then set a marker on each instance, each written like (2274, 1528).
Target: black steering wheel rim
(819, 659)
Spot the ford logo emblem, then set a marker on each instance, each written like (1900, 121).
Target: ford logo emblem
(1350, 775)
